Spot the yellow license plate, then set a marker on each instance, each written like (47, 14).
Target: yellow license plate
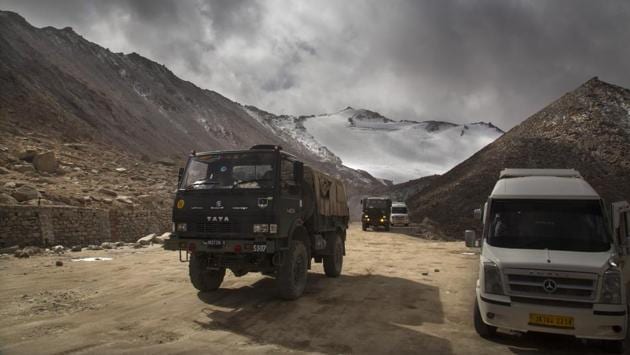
(547, 320)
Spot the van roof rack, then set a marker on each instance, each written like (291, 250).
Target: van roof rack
(511, 173)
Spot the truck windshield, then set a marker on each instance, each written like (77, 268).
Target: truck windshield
(230, 171)
(399, 210)
(572, 225)
(376, 204)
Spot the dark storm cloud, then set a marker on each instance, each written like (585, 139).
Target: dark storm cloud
(462, 61)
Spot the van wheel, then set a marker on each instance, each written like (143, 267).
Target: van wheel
(203, 279)
(333, 263)
(291, 278)
(484, 330)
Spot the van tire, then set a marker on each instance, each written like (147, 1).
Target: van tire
(292, 274)
(334, 263)
(484, 330)
(201, 278)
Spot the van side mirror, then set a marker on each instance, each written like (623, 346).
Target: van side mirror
(470, 238)
(477, 214)
(180, 175)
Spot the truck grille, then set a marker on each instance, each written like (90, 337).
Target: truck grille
(551, 284)
(210, 227)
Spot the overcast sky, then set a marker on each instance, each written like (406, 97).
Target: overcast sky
(460, 61)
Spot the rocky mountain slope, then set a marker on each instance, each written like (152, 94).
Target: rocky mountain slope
(57, 85)
(587, 129)
(398, 151)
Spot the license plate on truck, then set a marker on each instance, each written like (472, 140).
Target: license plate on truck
(547, 320)
(213, 243)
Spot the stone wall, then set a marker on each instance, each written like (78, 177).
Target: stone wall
(52, 225)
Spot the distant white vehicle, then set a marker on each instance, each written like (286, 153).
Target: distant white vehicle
(552, 259)
(399, 214)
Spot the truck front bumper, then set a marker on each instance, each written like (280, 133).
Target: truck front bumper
(601, 321)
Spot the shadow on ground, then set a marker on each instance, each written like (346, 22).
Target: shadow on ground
(349, 314)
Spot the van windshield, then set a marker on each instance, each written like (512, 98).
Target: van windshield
(230, 171)
(572, 225)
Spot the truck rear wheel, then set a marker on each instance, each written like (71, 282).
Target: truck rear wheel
(484, 330)
(291, 278)
(203, 279)
(333, 263)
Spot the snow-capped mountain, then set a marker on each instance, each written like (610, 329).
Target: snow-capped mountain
(385, 148)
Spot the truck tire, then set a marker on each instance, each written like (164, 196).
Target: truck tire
(387, 228)
(333, 263)
(292, 274)
(364, 227)
(614, 346)
(203, 279)
(484, 330)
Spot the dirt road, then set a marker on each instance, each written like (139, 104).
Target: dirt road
(397, 294)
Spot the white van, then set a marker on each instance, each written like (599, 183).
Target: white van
(553, 259)
(399, 215)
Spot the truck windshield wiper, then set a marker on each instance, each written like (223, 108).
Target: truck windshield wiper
(202, 182)
(237, 183)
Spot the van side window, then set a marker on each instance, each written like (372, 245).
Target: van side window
(287, 180)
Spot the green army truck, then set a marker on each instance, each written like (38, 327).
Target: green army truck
(258, 210)
(376, 212)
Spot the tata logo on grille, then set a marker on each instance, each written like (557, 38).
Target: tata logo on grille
(221, 219)
(550, 286)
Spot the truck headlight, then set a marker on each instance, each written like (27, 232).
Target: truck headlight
(181, 227)
(611, 287)
(492, 279)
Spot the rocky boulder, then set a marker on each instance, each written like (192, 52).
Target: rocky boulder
(27, 155)
(146, 240)
(25, 193)
(162, 238)
(46, 162)
(6, 199)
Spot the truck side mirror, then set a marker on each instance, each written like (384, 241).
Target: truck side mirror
(470, 238)
(180, 175)
(298, 172)
(477, 214)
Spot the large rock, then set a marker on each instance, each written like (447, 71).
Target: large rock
(24, 168)
(166, 162)
(25, 193)
(7, 200)
(46, 162)
(27, 155)
(109, 192)
(147, 239)
(162, 238)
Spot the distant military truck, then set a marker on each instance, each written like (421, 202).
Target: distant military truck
(258, 210)
(376, 212)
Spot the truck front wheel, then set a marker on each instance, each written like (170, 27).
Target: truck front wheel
(201, 277)
(484, 330)
(364, 227)
(291, 278)
(333, 263)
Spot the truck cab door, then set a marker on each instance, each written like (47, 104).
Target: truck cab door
(290, 203)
